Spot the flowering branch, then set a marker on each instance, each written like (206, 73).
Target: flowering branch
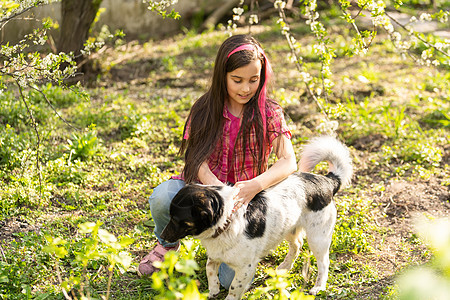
(161, 6)
(16, 14)
(437, 48)
(280, 5)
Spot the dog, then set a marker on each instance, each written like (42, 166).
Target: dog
(300, 205)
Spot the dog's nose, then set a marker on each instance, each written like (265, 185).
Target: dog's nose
(169, 235)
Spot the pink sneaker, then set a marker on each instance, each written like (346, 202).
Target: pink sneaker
(157, 254)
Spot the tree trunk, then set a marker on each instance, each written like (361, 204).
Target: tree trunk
(77, 17)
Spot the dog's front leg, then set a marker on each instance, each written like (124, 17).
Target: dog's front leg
(241, 282)
(212, 268)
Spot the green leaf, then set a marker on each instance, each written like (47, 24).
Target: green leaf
(106, 237)
(89, 227)
(126, 241)
(187, 266)
(124, 259)
(191, 291)
(157, 283)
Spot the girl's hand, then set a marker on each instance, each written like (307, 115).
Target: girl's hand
(245, 191)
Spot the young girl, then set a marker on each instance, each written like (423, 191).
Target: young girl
(228, 137)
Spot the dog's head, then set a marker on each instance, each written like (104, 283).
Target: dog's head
(194, 209)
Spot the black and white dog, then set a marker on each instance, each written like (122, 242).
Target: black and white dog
(302, 204)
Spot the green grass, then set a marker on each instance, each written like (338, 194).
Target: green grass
(395, 123)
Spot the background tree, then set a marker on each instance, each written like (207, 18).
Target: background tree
(77, 17)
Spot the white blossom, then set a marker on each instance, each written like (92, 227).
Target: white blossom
(444, 17)
(291, 58)
(238, 11)
(253, 19)
(425, 54)
(396, 36)
(435, 63)
(328, 83)
(439, 46)
(319, 49)
(327, 127)
(425, 17)
(279, 4)
(306, 77)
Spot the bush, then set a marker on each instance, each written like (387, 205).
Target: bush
(83, 146)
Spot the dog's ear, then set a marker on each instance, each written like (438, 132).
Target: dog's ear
(212, 207)
(206, 217)
(206, 208)
(203, 213)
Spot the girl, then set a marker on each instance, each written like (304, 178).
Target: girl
(228, 137)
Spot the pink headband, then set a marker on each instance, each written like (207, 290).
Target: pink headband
(267, 72)
(249, 47)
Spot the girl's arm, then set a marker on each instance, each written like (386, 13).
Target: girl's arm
(282, 168)
(206, 176)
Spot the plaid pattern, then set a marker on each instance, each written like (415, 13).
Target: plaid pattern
(222, 162)
(226, 160)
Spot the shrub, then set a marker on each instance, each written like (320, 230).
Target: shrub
(83, 146)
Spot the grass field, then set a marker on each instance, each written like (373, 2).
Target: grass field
(394, 116)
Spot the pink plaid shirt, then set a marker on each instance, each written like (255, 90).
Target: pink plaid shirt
(222, 163)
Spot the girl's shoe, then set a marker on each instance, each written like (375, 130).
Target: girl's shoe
(157, 254)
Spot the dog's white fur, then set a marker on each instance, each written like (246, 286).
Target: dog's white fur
(287, 217)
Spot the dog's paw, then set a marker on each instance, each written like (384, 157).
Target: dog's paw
(213, 293)
(315, 290)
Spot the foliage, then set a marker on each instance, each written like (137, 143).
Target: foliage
(431, 281)
(20, 271)
(278, 282)
(170, 285)
(160, 6)
(83, 146)
(98, 245)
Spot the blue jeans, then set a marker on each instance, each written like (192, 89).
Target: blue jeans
(160, 207)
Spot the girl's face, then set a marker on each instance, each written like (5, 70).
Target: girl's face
(242, 84)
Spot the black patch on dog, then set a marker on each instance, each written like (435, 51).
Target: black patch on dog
(193, 210)
(319, 190)
(336, 182)
(256, 216)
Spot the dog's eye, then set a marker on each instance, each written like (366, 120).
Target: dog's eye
(188, 224)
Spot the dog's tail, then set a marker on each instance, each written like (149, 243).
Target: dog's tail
(327, 148)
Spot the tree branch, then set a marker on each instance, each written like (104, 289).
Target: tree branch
(53, 108)
(299, 68)
(417, 36)
(6, 19)
(212, 20)
(33, 121)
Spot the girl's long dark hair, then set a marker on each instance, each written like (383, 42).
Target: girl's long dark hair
(205, 120)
